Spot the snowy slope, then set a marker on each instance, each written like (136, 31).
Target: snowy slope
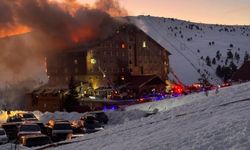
(188, 42)
(219, 121)
(216, 121)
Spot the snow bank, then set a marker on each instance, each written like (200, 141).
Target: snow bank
(120, 117)
(59, 115)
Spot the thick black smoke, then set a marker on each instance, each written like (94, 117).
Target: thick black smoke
(54, 26)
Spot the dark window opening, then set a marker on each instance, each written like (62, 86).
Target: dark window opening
(142, 72)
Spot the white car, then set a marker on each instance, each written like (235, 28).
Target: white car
(3, 136)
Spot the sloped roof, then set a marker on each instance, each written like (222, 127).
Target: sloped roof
(243, 74)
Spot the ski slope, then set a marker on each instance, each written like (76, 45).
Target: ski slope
(184, 39)
(216, 121)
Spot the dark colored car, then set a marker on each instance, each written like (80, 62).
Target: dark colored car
(91, 124)
(77, 127)
(42, 127)
(58, 131)
(99, 115)
(11, 130)
(22, 117)
(28, 129)
(35, 140)
(26, 116)
(14, 119)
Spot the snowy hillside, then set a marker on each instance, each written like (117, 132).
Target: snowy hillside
(188, 42)
(216, 121)
(219, 121)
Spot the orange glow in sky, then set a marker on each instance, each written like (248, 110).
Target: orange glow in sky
(206, 11)
(229, 12)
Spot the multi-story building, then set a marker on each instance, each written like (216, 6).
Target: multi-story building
(128, 52)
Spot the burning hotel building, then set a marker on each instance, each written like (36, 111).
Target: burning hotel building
(128, 52)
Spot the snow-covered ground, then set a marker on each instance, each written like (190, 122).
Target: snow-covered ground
(216, 121)
(188, 42)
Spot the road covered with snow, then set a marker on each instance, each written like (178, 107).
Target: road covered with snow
(197, 121)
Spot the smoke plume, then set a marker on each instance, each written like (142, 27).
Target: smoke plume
(48, 26)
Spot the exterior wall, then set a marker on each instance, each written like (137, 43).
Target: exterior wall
(147, 57)
(49, 103)
(128, 52)
(60, 67)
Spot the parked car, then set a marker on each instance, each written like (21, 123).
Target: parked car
(91, 124)
(28, 129)
(99, 115)
(77, 127)
(42, 127)
(14, 119)
(25, 116)
(3, 136)
(59, 130)
(35, 140)
(11, 130)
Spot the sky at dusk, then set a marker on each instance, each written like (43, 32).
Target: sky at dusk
(205, 11)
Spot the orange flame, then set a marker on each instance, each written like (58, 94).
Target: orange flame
(5, 32)
(83, 34)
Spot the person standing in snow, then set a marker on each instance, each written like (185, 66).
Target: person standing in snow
(217, 89)
(206, 92)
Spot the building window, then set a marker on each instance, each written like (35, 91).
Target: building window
(116, 45)
(91, 51)
(76, 61)
(142, 71)
(123, 45)
(92, 61)
(130, 38)
(76, 70)
(65, 70)
(144, 44)
(122, 78)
